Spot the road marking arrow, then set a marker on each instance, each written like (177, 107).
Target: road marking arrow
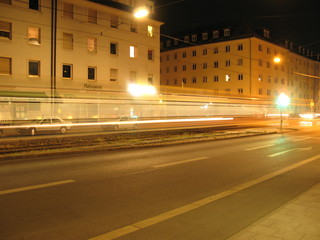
(290, 150)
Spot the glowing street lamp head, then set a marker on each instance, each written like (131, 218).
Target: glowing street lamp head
(277, 60)
(283, 100)
(141, 12)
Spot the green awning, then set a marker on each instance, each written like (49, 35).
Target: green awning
(23, 94)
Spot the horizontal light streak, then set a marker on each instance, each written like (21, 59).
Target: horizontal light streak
(119, 123)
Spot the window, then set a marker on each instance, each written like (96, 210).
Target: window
(175, 56)
(67, 71)
(240, 47)
(205, 65)
(113, 75)
(150, 31)
(150, 54)
(205, 51)
(260, 77)
(194, 66)
(186, 38)
(91, 73)
(5, 1)
(34, 4)
(184, 80)
(205, 79)
(184, 67)
(260, 48)
(240, 62)
(133, 27)
(114, 22)
(204, 36)
(276, 80)
(68, 10)
(34, 35)
(194, 38)
(92, 45)
(228, 48)
(133, 52)
(266, 33)
(228, 63)
(215, 34)
(268, 50)
(133, 77)
(5, 66)
(240, 90)
(269, 79)
(150, 79)
(260, 91)
(92, 16)
(34, 68)
(113, 48)
(168, 57)
(240, 76)
(67, 41)
(216, 50)
(175, 68)
(269, 92)
(216, 78)
(226, 32)
(228, 77)
(268, 65)
(260, 62)
(194, 53)
(5, 30)
(216, 64)
(184, 55)
(168, 43)
(194, 80)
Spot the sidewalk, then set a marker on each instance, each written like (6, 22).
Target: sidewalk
(299, 219)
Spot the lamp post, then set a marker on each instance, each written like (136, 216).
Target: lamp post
(282, 101)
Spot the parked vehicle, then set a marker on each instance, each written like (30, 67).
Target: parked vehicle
(124, 122)
(53, 124)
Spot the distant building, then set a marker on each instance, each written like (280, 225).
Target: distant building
(239, 61)
(80, 49)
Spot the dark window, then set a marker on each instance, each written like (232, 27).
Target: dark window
(34, 4)
(66, 71)
(91, 73)
(34, 68)
(113, 48)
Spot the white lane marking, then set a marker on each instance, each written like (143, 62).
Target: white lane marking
(256, 148)
(180, 162)
(290, 150)
(35, 187)
(189, 207)
(301, 139)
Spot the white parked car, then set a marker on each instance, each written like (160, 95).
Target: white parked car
(50, 124)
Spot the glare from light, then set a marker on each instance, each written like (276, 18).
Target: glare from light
(307, 116)
(141, 12)
(283, 100)
(137, 90)
(277, 60)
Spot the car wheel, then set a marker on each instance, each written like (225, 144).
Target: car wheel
(63, 130)
(33, 131)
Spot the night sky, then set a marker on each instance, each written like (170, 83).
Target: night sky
(297, 21)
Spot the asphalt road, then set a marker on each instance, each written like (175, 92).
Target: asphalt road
(208, 190)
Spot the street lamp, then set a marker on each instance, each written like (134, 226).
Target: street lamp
(141, 12)
(282, 101)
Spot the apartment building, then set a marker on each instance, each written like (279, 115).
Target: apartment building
(238, 62)
(76, 49)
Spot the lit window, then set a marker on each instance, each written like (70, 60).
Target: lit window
(67, 71)
(34, 68)
(150, 54)
(67, 41)
(204, 36)
(150, 31)
(150, 79)
(5, 66)
(34, 4)
(260, 78)
(133, 52)
(114, 48)
(91, 73)
(194, 38)
(92, 45)
(228, 78)
(68, 10)
(34, 35)
(92, 16)
(5, 30)
(113, 75)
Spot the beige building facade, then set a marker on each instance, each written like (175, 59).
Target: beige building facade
(223, 63)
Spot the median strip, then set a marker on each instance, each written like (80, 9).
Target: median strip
(15, 190)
